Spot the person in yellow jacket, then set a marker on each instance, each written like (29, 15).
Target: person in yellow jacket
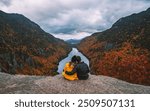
(69, 67)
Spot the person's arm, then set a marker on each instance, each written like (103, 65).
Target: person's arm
(64, 68)
(72, 72)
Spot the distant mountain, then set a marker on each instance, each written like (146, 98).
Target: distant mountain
(123, 51)
(26, 49)
(73, 41)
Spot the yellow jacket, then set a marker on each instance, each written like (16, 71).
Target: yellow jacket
(68, 67)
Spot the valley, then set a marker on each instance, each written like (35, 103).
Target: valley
(31, 60)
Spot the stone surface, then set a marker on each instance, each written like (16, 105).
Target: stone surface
(23, 84)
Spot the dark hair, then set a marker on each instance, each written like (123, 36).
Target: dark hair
(74, 58)
(78, 58)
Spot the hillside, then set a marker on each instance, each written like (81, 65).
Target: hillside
(123, 51)
(24, 84)
(25, 48)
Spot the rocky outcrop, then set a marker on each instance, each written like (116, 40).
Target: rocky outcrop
(23, 84)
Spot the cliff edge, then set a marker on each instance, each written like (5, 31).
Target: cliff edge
(24, 84)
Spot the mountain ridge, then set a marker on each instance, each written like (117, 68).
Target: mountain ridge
(123, 51)
(73, 41)
(26, 48)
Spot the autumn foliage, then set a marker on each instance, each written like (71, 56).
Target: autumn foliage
(45, 65)
(126, 63)
(26, 49)
(123, 51)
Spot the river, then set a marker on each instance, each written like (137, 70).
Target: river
(68, 58)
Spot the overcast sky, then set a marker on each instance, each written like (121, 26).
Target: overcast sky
(74, 18)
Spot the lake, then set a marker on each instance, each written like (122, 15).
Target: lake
(68, 58)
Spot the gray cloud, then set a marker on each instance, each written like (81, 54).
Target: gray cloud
(74, 17)
(5, 2)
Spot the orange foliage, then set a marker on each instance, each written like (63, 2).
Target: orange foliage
(48, 64)
(126, 63)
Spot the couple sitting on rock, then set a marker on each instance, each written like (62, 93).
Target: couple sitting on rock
(76, 70)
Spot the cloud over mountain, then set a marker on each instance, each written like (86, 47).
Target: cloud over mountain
(73, 17)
